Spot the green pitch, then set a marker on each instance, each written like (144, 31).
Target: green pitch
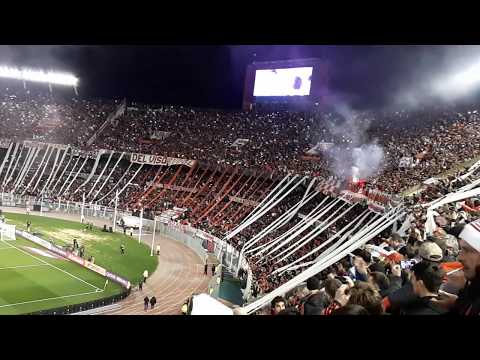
(32, 281)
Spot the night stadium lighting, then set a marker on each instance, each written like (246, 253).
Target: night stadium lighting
(50, 77)
(460, 83)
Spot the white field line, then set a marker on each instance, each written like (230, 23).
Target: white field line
(65, 272)
(53, 298)
(21, 267)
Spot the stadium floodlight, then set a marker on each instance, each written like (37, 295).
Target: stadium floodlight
(460, 83)
(50, 77)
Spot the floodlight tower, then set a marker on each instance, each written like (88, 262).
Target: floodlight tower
(41, 76)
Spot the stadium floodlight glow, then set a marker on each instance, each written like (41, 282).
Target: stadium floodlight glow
(460, 83)
(50, 77)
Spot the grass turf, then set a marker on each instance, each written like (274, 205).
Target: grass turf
(30, 282)
(104, 246)
(26, 288)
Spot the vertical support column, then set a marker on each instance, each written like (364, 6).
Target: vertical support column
(115, 211)
(153, 236)
(141, 225)
(82, 210)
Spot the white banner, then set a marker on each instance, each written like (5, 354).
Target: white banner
(34, 144)
(243, 201)
(159, 160)
(239, 142)
(353, 197)
(90, 154)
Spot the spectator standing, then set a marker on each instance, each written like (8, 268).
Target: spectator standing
(428, 252)
(145, 276)
(359, 270)
(153, 301)
(426, 280)
(331, 287)
(366, 295)
(468, 301)
(277, 305)
(316, 301)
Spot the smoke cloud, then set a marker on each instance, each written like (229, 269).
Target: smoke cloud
(35, 56)
(353, 153)
(429, 82)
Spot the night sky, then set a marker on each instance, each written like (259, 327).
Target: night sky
(213, 76)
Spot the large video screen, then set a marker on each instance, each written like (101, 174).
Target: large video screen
(283, 82)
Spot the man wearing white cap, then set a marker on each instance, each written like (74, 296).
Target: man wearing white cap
(468, 302)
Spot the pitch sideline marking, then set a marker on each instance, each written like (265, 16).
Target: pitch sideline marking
(48, 299)
(55, 267)
(21, 266)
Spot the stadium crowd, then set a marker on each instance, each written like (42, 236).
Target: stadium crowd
(433, 141)
(411, 271)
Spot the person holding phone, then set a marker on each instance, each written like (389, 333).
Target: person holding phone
(428, 252)
(426, 280)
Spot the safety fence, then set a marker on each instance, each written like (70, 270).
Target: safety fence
(95, 304)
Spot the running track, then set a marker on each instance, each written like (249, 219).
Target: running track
(179, 274)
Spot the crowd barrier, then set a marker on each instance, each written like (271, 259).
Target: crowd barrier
(72, 309)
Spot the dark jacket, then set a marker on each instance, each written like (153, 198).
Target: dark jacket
(395, 284)
(315, 303)
(400, 298)
(468, 302)
(422, 306)
(356, 275)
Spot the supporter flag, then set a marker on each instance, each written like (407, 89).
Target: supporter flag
(329, 186)
(449, 267)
